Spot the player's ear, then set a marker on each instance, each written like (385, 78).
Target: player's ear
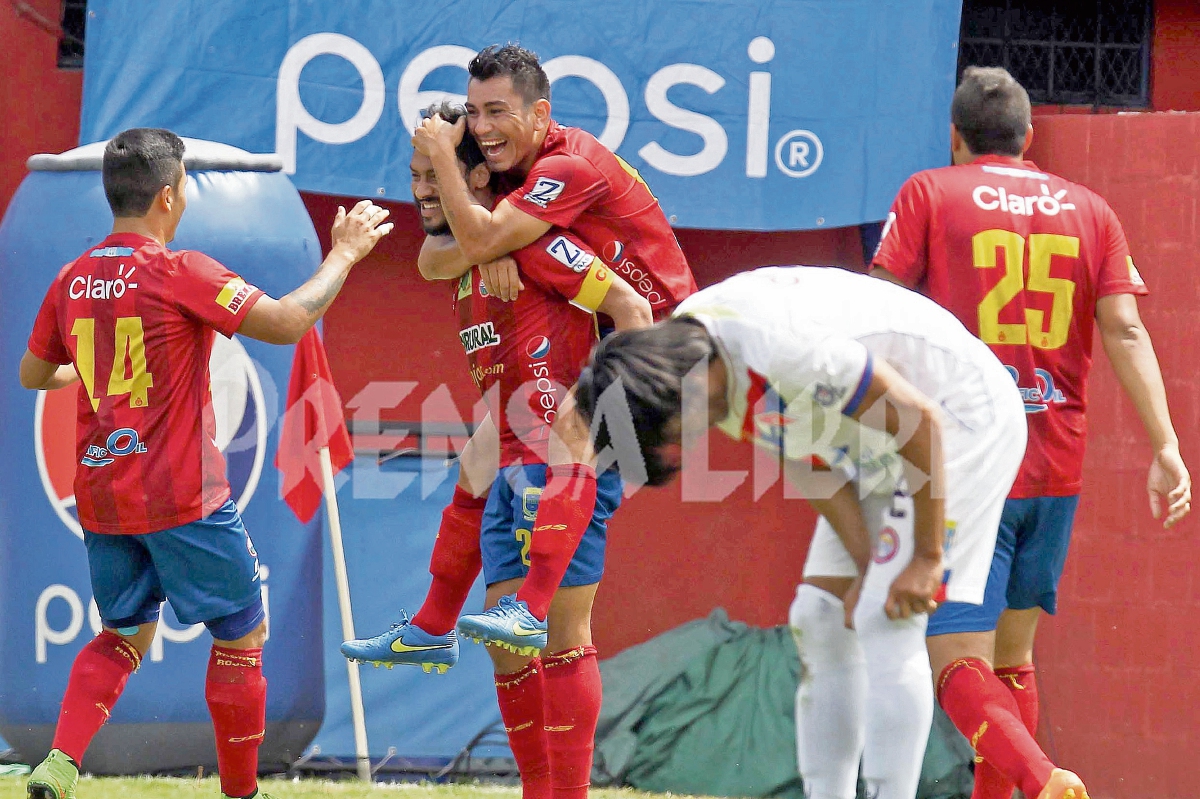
(166, 198)
(541, 114)
(1028, 138)
(479, 177)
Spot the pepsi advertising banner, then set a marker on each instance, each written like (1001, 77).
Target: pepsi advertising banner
(256, 224)
(774, 115)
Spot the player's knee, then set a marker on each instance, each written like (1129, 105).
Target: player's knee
(893, 648)
(817, 619)
(245, 629)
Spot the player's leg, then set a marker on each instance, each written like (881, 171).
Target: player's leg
(128, 595)
(900, 694)
(573, 689)
(979, 472)
(210, 573)
(428, 639)
(832, 694)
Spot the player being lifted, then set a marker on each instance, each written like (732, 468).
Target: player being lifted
(554, 176)
(892, 393)
(523, 355)
(1026, 260)
(159, 523)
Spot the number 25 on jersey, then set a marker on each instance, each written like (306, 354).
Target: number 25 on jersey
(1005, 249)
(128, 344)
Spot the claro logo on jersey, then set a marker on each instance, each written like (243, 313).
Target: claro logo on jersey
(82, 286)
(476, 337)
(997, 199)
(241, 435)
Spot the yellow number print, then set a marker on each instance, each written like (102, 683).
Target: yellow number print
(524, 538)
(1042, 248)
(129, 343)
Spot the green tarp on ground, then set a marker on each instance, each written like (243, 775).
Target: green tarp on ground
(708, 708)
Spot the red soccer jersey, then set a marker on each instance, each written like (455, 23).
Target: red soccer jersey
(525, 354)
(1020, 257)
(137, 320)
(579, 184)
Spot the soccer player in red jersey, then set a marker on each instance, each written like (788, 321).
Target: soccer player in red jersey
(523, 355)
(1026, 260)
(134, 322)
(555, 176)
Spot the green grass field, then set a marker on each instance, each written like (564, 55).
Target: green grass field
(209, 788)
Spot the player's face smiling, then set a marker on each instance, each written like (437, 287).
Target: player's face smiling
(504, 125)
(426, 195)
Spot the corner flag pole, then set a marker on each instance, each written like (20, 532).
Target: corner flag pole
(362, 752)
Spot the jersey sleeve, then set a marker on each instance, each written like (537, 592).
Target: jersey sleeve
(903, 247)
(1117, 274)
(208, 292)
(559, 188)
(832, 373)
(46, 339)
(561, 264)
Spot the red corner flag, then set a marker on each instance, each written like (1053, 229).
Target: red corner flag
(313, 419)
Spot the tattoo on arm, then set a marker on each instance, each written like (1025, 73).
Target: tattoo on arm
(317, 294)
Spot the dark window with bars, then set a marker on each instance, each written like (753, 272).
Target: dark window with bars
(1088, 52)
(70, 41)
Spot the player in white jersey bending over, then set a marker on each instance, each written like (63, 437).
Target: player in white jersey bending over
(923, 430)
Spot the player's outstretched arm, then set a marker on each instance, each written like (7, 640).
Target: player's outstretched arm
(893, 404)
(38, 374)
(628, 309)
(1131, 353)
(285, 320)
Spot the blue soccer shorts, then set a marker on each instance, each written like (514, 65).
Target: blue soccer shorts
(207, 569)
(1031, 550)
(508, 523)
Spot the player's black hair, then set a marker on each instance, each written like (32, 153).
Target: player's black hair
(468, 149)
(991, 111)
(649, 365)
(137, 164)
(515, 62)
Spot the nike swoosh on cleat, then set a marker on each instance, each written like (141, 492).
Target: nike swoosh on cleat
(400, 646)
(525, 631)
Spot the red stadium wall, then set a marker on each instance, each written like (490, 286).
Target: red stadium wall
(1118, 662)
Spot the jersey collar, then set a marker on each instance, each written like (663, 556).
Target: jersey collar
(1005, 160)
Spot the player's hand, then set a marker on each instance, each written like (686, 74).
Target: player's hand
(501, 278)
(356, 233)
(1169, 485)
(850, 601)
(436, 132)
(913, 590)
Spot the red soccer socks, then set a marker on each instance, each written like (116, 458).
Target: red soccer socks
(563, 516)
(237, 700)
(521, 696)
(573, 694)
(1021, 681)
(455, 563)
(97, 679)
(985, 711)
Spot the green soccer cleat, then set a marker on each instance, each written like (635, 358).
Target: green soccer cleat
(54, 778)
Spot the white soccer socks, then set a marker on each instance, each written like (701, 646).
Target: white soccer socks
(899, 701)
(832, 696)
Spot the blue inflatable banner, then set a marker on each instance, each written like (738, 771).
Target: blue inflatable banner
(771, 115)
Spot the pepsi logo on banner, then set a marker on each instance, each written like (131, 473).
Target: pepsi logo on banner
(238, 406)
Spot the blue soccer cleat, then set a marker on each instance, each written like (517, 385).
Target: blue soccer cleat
(408, 645)
(509, 625)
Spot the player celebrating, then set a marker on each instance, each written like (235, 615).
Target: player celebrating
(797, 359)
(1026, 260)
(159, 523)
(559, 177)
(522, 355)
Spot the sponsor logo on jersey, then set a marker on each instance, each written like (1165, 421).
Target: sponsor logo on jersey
(1042, 394)
(887, 546)
(92, 288)
(234, 294)
(239, 409)
(538, 347)
(997, 199)
(545, 191)
(476, 337)
(825, 394)
(481, 373)
(613, 251)
(483, 290)
(464, 285)
(118, 444)
(569, 254)
(111, 252)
